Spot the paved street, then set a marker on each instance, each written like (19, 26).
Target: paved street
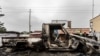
(44, 53)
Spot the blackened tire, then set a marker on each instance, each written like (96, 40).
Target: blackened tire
(87, 49)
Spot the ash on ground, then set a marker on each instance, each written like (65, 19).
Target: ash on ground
(28, 52)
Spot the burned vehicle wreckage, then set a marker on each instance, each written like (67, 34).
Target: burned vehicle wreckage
(54, 37)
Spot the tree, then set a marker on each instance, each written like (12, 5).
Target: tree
(2, 28)
(24, 32)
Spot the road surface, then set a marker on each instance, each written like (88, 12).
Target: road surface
(44, 53)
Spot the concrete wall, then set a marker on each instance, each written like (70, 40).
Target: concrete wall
(96, 24)
(78, 30)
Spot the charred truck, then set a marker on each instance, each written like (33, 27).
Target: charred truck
(54, 37)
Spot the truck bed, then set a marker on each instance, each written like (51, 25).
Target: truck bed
(12, 41)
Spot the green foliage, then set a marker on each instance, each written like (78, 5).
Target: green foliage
(25, 32)
(2, 28)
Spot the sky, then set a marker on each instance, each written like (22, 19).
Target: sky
(43, 11)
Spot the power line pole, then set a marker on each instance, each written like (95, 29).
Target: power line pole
(29, 20)
(91, 23)
(92, 9)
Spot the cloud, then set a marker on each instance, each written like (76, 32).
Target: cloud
(43, 11)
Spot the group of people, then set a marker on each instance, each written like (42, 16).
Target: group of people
(90, 35)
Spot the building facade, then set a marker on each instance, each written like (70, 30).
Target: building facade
(78, 30)
(95, 24)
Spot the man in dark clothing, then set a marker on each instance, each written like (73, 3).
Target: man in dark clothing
(85, 34)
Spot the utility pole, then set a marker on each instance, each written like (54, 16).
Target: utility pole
(29, 20)
(91, 23)
(92, 9)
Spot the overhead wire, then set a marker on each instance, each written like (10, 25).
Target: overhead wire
(63, 9)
